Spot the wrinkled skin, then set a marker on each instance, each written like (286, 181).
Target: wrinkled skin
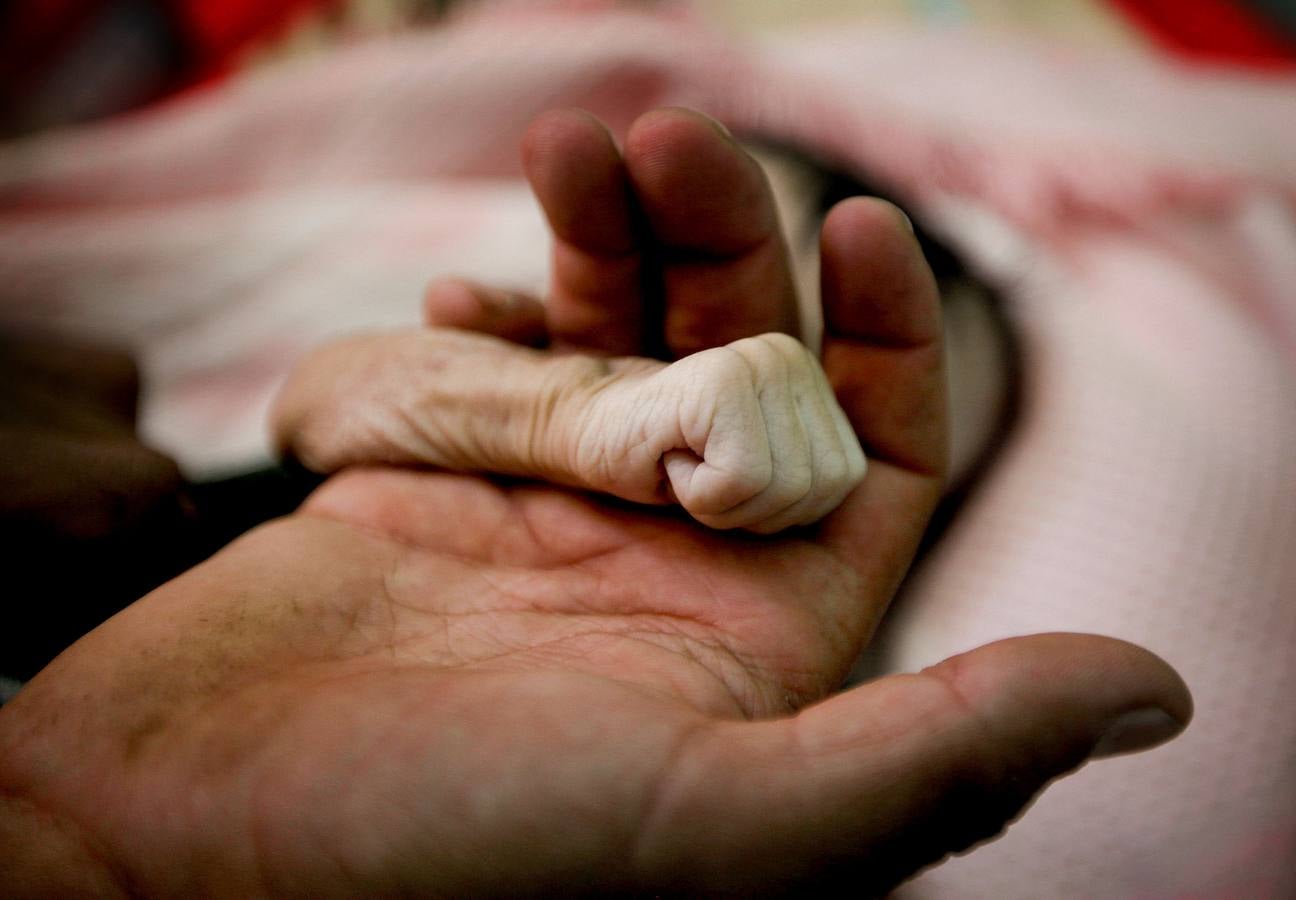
(436, 684)
(748, 435)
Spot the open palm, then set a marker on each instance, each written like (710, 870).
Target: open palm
(685, 217)
(428, 683)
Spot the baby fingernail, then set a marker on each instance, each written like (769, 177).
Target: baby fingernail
(1136, 730)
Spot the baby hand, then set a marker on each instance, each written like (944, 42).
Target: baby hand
(748, 435)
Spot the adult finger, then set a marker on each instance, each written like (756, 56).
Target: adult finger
(868, 787)
(709, 210)
(470, 306)
(596, 298)
(882, 320)
(883, 356)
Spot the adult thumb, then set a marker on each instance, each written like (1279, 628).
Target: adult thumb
(861, 791)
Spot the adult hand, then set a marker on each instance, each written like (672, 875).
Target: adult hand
(433, 683)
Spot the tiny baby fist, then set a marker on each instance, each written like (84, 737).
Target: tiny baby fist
(748, 435)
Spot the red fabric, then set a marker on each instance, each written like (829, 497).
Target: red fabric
(214, 34)
(1212, 31)
(211, 34)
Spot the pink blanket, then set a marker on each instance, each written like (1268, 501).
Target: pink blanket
(1140, 219)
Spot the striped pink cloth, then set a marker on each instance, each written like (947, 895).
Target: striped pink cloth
(1140, 219)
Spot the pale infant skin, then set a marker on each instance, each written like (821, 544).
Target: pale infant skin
(748, 435)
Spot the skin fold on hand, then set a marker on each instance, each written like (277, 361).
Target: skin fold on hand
(748, 435)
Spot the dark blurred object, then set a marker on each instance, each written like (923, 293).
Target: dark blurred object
(90, 518)
(64, 61)
(1259, 34)
(88, 514)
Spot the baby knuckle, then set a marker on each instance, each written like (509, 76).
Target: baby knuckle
(832, 468)
(784, 345)
(856, 465)
(794, 481)
(724, 368)
(784, 351)
(744, 483)
(722, 490)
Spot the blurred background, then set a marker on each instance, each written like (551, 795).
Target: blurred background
(1119, 175)
(70, 60)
